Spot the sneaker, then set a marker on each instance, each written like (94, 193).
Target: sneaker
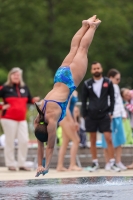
(94, 167)
(121, 166)
(115, 168)
(107, 167)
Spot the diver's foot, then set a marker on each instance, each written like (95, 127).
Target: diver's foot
(75, 168)
(61, 169)
(85, 23)
(95, 23)
(88, 21)
(92, 19)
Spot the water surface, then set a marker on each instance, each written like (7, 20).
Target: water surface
(88, 188)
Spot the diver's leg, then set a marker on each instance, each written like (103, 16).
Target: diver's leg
(80, 62)
(76, 41)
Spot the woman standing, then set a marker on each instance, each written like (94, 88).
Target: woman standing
(118, 135)
(16, 96)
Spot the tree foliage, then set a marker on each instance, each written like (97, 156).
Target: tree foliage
(39, 78)
(43, 29)
(3, 75)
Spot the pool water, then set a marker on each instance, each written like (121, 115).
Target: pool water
(90, 188)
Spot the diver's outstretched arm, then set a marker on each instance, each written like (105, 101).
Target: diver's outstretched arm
(43, 169)
(40, 152)
(51, 128)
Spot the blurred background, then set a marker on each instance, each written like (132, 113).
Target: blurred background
(36, 35)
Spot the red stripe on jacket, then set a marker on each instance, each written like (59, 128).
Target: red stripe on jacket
(14, 112)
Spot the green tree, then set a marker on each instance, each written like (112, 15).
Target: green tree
(39, 78)
(22, 32)
(36, 29)
(3, 75)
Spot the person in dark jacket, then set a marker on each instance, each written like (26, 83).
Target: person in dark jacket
(98, 113)
(16, 96)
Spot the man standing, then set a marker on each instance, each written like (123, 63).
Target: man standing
(98, 113)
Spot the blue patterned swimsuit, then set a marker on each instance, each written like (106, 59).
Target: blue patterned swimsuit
(63, 75)
(73, 102)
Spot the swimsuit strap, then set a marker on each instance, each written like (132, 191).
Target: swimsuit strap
(46, 101)
(44, 107)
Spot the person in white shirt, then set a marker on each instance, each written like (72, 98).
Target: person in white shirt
(118, 135)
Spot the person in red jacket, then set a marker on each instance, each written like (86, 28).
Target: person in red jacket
(16, 96)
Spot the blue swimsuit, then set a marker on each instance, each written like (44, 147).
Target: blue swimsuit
(73, 102)
(63, 75)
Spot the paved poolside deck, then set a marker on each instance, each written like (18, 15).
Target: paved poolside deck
(20, 175)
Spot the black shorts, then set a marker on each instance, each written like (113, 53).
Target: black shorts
(101, 125)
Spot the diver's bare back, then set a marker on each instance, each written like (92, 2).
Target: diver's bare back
(59, 93)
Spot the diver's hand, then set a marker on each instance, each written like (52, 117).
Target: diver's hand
(41, 170)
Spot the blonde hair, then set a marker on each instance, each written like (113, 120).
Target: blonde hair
(13, 70)
(122, 91)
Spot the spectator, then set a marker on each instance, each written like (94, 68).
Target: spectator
(127, 96)
(15, 96)
(127, 128)
(2, 141)
(98, 114)
(118, 135)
